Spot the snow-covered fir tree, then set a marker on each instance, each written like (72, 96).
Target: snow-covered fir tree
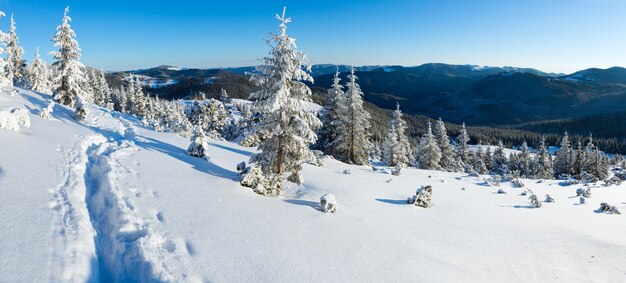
(488, 158)
(542, 165)
(210, 115)
(3, 63)
(578, 155)
(353, 137)
(594, 161)
(105, 91)
(396, 147)
(69, 70)
(563, 159)
(462, 146)
(448, 161)
(15, 67)
(80, 114)
(198, 146)
(333, 102)
(477, 161)
(39, 75)
(499, 162)
(428, 152)
(289, 129)
(520, 163)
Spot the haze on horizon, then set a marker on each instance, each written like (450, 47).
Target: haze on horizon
(560, 36)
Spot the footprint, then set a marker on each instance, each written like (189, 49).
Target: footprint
(170, 246)
(191, 250)
(160, 217)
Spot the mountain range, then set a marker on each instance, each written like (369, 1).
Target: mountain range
(504, 97)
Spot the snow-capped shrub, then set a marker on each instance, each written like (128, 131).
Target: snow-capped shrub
(81, 109)
(45, 113)
(517, 183)
(549, 198)
(582, 200)
(584, 192)
(14, 118)
(396, 170)
(473, 174)
(319, 158)
(621, 175)
(374, 168)
(422, 197)
(501, 191)
(198, 146)
(494, 181)
(564, 177)
(613, 181)
(328, 203)
(587, 178)
(608, 209)
(534, 201)
(253, 177)
(524, 193)
(347, 171)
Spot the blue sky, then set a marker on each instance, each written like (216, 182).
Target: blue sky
(551, 35)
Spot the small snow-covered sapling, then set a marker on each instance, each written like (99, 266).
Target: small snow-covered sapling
(501, 191)
(609, 209)
(328, 203)
(534, 201)
(549, 198)
(45, 113)
(347, 171)
(422, 197)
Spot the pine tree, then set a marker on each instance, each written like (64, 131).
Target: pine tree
(563, 159)
(198, 146)
(3, 63)
(353, 137)
(462, 147)
(428, 152)
(594, 161)
(488, 158)
(477, 161)
(330, 117)
(396, 147)
(70, 75)
(289, 128)
(447, 161)
(542, 167)
(38, 75)
(500, 162)
(15, 56)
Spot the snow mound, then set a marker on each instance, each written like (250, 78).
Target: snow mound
(13, 119)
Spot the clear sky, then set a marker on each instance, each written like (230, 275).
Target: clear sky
(551, 35)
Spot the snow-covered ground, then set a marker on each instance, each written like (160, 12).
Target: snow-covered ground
(108, 200)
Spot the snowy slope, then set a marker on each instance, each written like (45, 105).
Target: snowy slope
(109, 200)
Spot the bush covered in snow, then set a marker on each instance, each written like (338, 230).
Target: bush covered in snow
(549, 198)
(569, 182)
(608, 209)
(253, 177)
(494, 181)
(347, 171)
(422, 197)
(81, 109)
(198, 146)
(14, 118)
(613, 181)
(534, 201)
(517, 183)
(584, 192)
(328, 203)
(501, 191)
(45, 113)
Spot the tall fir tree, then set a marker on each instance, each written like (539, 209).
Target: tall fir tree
(499, 161)
(15, 67)
(288, 128)
(448, 161)
(3, 63)
(353, 138)
(330, 117)
(542, 165)
(39, 75)
(462, 145)
(563, 159)
(396, 147)
(70, 76)
(428, 152)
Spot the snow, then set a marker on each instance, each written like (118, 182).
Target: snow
(90, 202)
(13, 119)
